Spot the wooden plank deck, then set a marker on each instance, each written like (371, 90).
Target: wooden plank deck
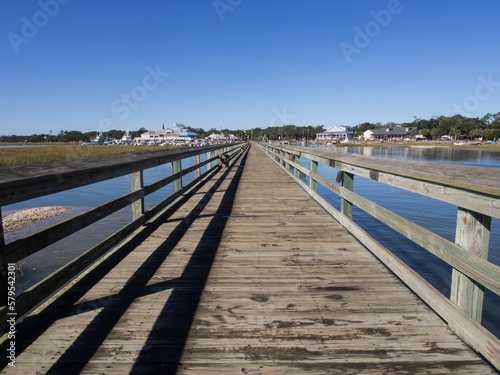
(249, 276)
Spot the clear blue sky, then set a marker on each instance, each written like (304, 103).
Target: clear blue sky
(237, 64)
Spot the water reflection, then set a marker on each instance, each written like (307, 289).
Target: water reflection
(427, 153)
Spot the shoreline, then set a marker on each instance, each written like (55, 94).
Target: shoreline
(18, 219)
(472, 147)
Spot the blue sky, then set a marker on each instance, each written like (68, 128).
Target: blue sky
(116, 64)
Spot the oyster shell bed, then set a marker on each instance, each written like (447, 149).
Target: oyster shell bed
(17, 219)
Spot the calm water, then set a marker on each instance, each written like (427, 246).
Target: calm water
(433, 215)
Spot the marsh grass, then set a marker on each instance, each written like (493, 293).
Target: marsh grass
(30, 155)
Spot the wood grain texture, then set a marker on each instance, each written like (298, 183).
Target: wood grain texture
(473, 235)
(249, 276)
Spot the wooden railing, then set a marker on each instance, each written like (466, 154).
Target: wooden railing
(474, 190)
(18, 184)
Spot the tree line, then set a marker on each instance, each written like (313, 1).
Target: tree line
(68, 136)
(457, 126)
(72, 136)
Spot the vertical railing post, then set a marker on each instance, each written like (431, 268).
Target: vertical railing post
(313, 184)
(137, 182)
(209, 156)
(473, 235)
(287, 156)
(197, 161)
(177, 167)
(297, 161)
(347, 183)
(216, 153)
(2, 238)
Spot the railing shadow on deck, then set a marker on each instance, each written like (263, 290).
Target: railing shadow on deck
(27, 182)
(178, 309)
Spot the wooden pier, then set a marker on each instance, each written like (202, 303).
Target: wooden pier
(247, 275)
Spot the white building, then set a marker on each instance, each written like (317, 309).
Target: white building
(368, 134)
(221, 138)
(216, 138)
(163, 135)
(232, 138)
(336, 132)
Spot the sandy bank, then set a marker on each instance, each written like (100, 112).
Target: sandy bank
(17, 219)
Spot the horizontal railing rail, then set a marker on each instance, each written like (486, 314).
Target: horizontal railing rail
(474, 190)
(18, 184)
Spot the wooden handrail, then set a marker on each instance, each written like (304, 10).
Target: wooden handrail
(16, 183)
(474, 190)
(22, 183)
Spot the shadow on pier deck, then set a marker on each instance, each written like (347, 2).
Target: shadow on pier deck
(249, 276)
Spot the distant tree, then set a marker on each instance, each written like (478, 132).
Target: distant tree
(454, 132)
(361, 128)
(117, 134)
(73, 136)
(391, 125)
(495, 120)
(434, 132)
(487, 119)
(137, 133)
(495, 134)
(36, 138)
(425, 133)
(200, 131)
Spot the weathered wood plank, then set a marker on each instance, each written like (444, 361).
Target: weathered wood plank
(137, 183)
(473, 234)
